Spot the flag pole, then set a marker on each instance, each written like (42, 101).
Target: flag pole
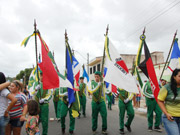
(168, 54)
(35, 31)
(102, 68)
(66, 40)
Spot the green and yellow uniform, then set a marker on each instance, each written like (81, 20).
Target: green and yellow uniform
(109, 99)
(57, 102)
(152, 106)
(98, 105)
(64, 109)
(43, 97)
(82, 98)
(125, 104)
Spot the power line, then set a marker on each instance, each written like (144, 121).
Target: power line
(151, 19)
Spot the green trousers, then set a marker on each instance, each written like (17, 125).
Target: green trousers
(44, 117)
(57, 108)
(109, 99)
(63, 114)
(96, 108)
(130, 112)
(152, 106)
(83, 104)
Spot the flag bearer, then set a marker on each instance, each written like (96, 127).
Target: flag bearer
(98, 104)
(57, 103)
(152, 106)
(82, 96)
(43, 97)
(109, 98)
(125, 104)
(64, 110)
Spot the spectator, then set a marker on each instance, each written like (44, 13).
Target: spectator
(32, 124)
(5, 95)
(169, 102)
(19, 110)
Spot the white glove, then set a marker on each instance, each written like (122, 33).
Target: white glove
(126, 100)
(41, 101)
(38, 87)
(152, 96)
(67, 99)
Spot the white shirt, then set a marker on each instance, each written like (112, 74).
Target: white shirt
(3, 101)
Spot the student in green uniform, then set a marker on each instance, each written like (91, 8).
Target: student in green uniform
(43, 97)
(152, 106)
(57, 103)
(82, 96)
(109, 98)
(125, 104)
(98, 104)
(64, 110)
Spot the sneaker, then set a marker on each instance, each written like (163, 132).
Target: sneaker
(63, 130)
(121, 131)
(58, 119)
(71, 132)
(94, 132)
(128, 128)
(150, 129)
(104, 132)
(158, 129)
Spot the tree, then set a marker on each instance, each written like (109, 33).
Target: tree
(24, 75)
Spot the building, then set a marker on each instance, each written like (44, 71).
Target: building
(157, 58)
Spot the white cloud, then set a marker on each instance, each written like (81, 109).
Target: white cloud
(86, 23)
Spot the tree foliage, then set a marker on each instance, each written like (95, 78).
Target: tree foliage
(24, 75)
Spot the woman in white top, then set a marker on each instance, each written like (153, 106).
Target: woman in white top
(4, 107)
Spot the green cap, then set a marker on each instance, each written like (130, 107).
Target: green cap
(81, 77)
(98, 73)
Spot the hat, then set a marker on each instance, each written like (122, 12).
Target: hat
(98, 73)
(81, 77)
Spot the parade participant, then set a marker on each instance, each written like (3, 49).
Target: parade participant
(82, 96)
(125, 104)
(5, 95)
(163, 82)
(18, 112)
(64, 109)
(109, 98)
(33, 118)
(152, 106)
(138, 97)
(98, 103)
(169, 102)
(57, 103)
(43, 97)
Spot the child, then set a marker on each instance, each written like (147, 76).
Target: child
(33, 118)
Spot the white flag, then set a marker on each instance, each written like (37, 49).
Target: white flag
(117, 71)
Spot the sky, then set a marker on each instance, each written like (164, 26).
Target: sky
(85, 22)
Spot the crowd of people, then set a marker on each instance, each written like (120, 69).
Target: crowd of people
(16, 107)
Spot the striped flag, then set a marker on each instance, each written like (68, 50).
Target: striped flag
(148, 69)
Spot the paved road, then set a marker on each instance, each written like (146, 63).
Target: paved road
(83, 125)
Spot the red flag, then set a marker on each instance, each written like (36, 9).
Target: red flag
(148, 69)
(114, 88)
(50, 77)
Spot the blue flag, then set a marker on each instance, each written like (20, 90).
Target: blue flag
(175, 57)
(85, 75)
(69, 74)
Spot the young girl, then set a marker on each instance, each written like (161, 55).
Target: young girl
(33, 118)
